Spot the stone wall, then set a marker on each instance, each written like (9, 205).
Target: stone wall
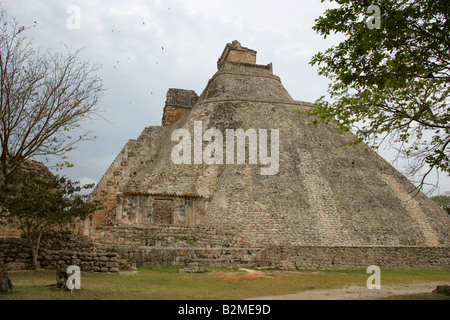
(172, 115)
(342, 258)
(181, 256)
(59, 250)
(8, 231)
(166, 236)
(138, 247)
(290, 258)
(176, 246)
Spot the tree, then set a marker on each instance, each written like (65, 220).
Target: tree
(35, 202)
(443, 201)
(390, 78)
(43, 98)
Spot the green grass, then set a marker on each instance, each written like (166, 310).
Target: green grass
(219, 284)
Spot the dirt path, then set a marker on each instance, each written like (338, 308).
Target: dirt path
(357, 293)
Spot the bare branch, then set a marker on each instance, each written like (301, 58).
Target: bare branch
(43, 98)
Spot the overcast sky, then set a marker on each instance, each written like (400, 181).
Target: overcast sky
(147, 47)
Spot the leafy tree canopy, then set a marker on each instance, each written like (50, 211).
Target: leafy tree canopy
(35, 202)
(390, 77)
(443, 201)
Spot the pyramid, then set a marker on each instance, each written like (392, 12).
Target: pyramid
(287, 183)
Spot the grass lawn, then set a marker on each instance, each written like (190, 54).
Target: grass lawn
(218, 284)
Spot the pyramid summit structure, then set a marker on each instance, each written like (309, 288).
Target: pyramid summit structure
(240, 166)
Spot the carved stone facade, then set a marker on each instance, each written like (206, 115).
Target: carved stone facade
(163, 209)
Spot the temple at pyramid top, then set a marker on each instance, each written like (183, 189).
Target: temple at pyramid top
(236, 53)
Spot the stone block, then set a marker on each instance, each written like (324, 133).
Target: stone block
(112, 265)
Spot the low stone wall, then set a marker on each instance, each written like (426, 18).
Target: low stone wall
(290, 258)
(180, 257)
(342, 258)
(176, 246)
(59, 250)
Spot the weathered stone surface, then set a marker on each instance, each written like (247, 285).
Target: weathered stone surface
(215, 253)
(13, 266)
(324, 198)
(323, 195)
(194, 267)
(444, 289)
(178, 103)
(124, 168)
(59, 251)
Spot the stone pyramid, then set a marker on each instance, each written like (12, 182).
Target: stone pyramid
(317, 193)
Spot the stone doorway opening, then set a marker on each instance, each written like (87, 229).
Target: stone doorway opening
(163, 211)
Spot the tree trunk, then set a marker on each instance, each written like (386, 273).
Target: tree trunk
(5, 282)
(34, 255)
(34, 244)
(34, 241)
